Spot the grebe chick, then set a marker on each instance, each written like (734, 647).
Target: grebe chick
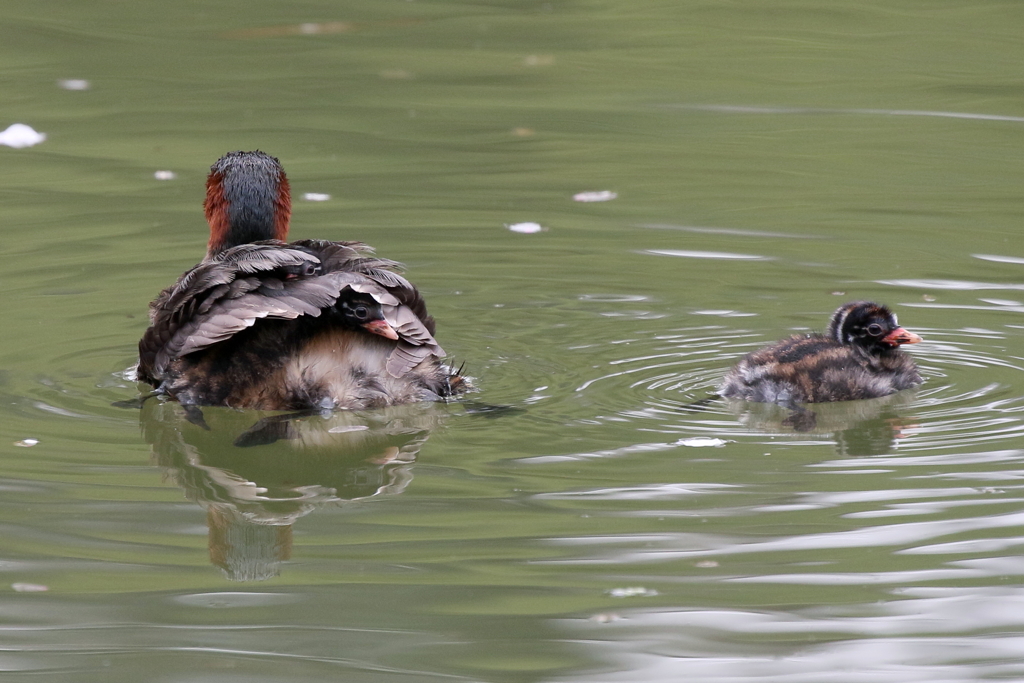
(857, 357)
(265, 324)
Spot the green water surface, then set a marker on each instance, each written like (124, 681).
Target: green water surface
(769, 162)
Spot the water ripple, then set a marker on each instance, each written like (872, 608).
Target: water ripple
(962, 285)
(721, 255)
(747, 109)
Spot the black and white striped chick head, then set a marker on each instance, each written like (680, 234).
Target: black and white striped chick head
(868, 326)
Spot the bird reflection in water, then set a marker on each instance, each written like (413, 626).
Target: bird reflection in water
(867, 427)
(256, 480)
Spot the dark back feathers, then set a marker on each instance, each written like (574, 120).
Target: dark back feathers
(236, 288)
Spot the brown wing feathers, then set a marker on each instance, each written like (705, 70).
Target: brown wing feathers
(232, 290)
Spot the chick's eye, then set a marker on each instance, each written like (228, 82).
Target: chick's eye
(361, 312)
(874, 329)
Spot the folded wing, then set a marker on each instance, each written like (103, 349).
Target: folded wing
(273, 280)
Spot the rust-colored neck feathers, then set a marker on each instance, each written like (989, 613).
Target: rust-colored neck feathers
(247, 200)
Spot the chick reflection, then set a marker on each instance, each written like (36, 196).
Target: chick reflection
(869, 427)
(256, 480)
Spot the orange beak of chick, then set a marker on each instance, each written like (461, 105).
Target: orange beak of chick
(382, 328)
(900, 336)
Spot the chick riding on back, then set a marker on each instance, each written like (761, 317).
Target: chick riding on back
(265, 324)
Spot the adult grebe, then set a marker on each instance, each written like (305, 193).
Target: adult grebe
(270, 325)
